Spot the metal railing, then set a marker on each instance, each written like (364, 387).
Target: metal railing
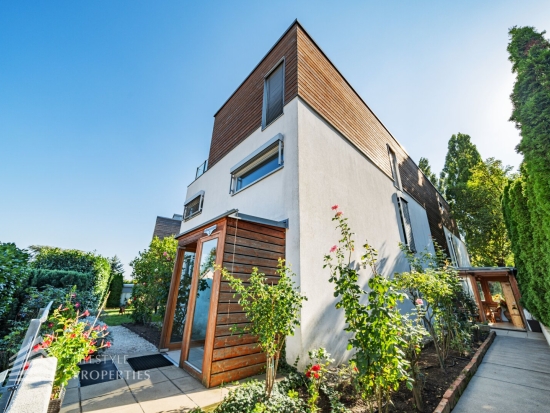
(202, 169)
(18, 366)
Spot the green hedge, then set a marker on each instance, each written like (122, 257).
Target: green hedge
(49, 258)
(41, 277)
(13, 273)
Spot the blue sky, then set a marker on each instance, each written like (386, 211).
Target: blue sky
(106, 108)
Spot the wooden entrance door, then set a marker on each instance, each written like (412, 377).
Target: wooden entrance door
(196, 355)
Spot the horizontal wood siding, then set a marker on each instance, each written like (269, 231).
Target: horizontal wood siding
(322, 87)
(247, 245)
(242, 113)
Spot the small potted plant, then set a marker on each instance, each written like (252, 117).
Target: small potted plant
(70, 341)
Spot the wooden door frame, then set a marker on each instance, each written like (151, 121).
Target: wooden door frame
(171, 304)
(204, 374)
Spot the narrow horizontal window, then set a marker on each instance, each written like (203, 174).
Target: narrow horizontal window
(406, 223)
(273, 95)
(193, 206)
(258, 166)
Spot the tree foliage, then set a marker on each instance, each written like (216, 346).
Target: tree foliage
(527, 199)
(152, 273)
(474, 189)
(273, 311)
(52, 258)
(425, 167)
(117, 281)
(14, 272)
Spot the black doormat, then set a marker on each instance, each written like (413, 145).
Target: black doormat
(100, 372)
(149, 362)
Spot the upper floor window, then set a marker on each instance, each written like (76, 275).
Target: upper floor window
(259, 164)
(406, 223)
(394, 168)
(274, 92)
(193, 206)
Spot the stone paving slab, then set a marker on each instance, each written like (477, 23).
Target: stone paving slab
(513, 377)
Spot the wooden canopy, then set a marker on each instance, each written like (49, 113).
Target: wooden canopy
(218, 355)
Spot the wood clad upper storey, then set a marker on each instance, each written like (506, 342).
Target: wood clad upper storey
(242, 113)
(310, 75)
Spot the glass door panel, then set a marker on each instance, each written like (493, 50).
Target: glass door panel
(202, 302)
(180, 312)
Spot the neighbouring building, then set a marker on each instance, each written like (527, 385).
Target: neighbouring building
(167, 227)
(294, 139)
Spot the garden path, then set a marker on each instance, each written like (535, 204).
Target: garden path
(514, 376)
(166, 389)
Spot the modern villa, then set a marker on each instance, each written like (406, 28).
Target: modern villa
(293, 139)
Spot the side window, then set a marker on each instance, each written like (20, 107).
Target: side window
(394, 168)
(406, 223)
(266, 160)
(273, 95)
(193, 206)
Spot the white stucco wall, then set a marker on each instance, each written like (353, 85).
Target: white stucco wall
(274, 197)
(332, 171)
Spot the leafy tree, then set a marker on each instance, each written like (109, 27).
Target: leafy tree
(474, 189)
(273, 311)
(527, 200)
(152, 273)
(14, 272)
(483, 224)
(462, 156)
(425, 167)
(115, 286)
(377, 330)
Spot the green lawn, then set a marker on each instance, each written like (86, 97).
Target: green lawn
(111, 317)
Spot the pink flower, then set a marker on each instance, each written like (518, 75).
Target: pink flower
(50, 325)
(333, 248)
(165, 253)
(335, 207)
(108, 344)
(419, 301)
(86, 313)
(104, 327)
(73, 295)
(339, 213)
(77, 305)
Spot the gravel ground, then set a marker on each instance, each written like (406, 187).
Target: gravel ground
(127, 342)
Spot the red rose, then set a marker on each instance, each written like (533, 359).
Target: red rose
(316, 367)
(37, 347)
(355, 369)
(308, 373)
(108, 344)
(26, 366)
(335, 207)
(87, 358)
(316, 375)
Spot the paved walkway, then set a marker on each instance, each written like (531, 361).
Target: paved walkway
(514, 376)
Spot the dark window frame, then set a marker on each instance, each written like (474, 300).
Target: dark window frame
(265, 122)
(406, 223)
(187, 216)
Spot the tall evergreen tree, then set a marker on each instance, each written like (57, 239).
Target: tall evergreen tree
(425, 167)
(527, 200)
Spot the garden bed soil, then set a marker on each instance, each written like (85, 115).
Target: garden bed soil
(436, 384)
(146, 331)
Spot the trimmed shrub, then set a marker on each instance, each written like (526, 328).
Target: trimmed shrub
(40, 277)
(49, 258)
(116, 291)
